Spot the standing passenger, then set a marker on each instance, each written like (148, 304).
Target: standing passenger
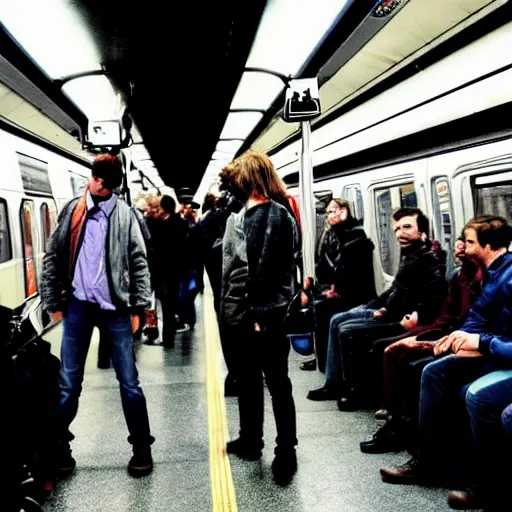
(258, 284)
(95, 273)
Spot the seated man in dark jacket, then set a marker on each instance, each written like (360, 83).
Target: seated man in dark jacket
(344, 271)
(416, 296)
(404, 359)
(478, 369)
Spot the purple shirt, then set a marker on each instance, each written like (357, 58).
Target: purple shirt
(90, 282)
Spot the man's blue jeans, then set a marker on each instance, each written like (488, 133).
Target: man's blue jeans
(506, 419)
(79, 321)
(449, 384)
(333, 367)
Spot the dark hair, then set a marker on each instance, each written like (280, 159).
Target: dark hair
(491, 230)
(421, 219)
(168, 204)
(209, 200)
(109, 168)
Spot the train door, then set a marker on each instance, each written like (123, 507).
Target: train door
(30, 245)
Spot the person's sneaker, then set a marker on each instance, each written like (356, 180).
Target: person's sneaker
(284, 466)
(62, 461)
(412, 472)
(141, 463)
(244, 450)
(324, 393)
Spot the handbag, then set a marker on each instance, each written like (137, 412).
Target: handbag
(299, 324)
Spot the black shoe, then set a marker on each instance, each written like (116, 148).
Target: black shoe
(308, 366)
(141, 463)
(473, 498)
(284, 466)
(244, 450)
(348, 404)
(62, 461)
(412, 472)
(386, 439)
(104, 365)
(324, 393)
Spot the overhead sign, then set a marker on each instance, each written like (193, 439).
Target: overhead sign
(302, 100)
(105, 133)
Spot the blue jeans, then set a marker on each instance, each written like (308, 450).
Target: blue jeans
(79, 321)
(333, 366)
(506, 419)
(446, 384)
(188, 292)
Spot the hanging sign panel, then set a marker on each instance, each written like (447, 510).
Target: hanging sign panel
(302, 100)
(105, 133)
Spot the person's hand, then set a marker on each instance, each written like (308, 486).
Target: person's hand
(304, 299)
(330, 293)
(56, 316)
(409, 322)
(380, 313)
(468, 353)
(455, 341)
(469, 342)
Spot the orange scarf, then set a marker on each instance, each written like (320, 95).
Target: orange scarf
(77, 225)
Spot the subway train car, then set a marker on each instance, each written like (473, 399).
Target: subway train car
(449, 187)
(35, 182)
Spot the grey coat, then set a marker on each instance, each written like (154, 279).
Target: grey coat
(127, 264)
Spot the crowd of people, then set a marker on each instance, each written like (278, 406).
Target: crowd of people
(432, 354)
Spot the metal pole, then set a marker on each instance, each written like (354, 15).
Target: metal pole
(307, 203)
(128, 164)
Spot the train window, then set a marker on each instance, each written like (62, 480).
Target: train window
(27, 232)
(354, 195)
(443, 217)
(5, 235)
(78, 183)
(387, 200)
(493, 195)
(34, 175)
(46, 223)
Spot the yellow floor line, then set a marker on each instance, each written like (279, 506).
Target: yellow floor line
(223, 490)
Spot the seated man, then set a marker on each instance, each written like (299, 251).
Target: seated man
(482, 347)
(344, 271)
(419, 288)
(404, 359)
